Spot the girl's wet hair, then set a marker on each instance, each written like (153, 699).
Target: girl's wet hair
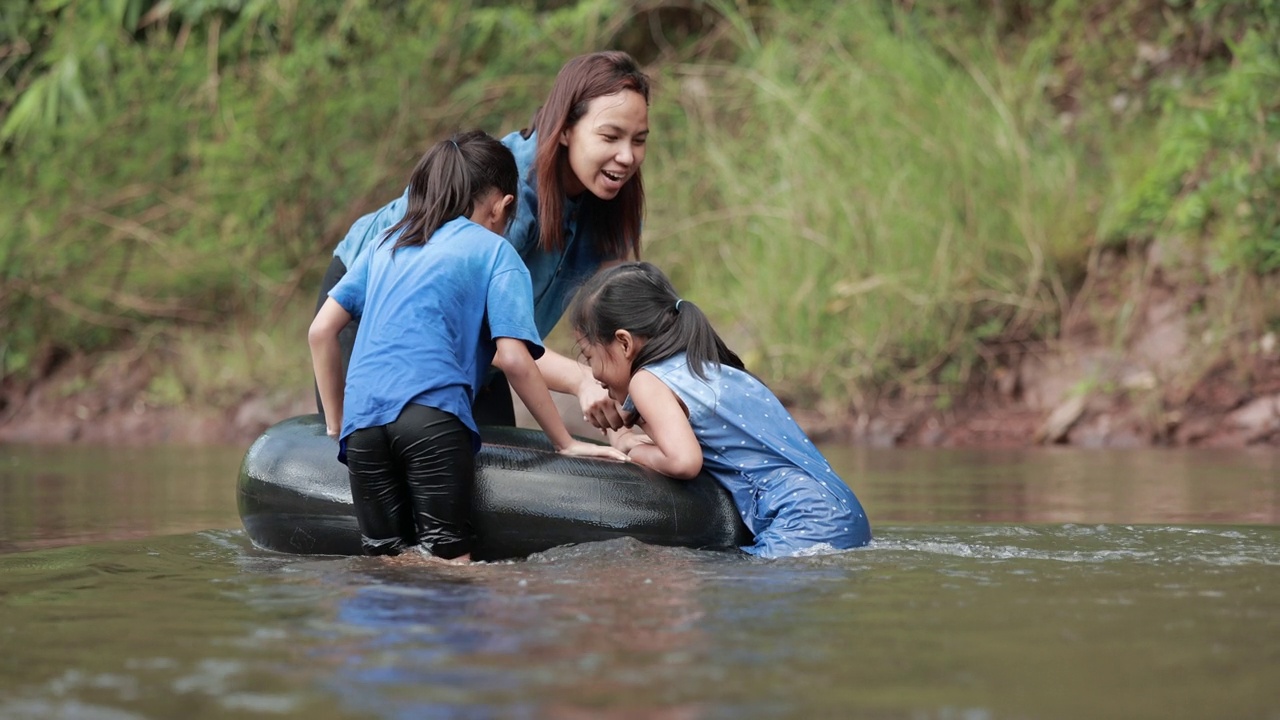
(448, 181)
(638, 297)
(615, 223)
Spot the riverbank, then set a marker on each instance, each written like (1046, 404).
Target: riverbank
(923, 223)
(1074, 394)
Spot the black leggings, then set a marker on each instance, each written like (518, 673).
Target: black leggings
(493, 404)
(411, 482)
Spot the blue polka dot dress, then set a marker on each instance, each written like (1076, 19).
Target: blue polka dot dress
(787, 493)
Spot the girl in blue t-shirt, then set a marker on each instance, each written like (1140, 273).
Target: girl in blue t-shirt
(442, 297)
(659, 356)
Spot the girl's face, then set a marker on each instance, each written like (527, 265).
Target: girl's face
(611, 363)
(606, 146)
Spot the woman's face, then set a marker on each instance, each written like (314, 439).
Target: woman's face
(606, 146)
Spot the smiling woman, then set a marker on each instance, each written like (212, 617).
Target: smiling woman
(606, 147)
(579, 206)
(600, 149)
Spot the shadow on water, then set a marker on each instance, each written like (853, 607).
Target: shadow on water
(999, 586)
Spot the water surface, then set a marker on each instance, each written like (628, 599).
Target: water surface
(1028, 584)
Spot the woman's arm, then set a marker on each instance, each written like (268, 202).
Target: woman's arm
(572, 377)
(565, 375)
(326, 360)
(514, 360)
(671, 448)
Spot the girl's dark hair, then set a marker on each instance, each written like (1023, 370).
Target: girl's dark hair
(638, 297)
(447, 182)
(614, 223)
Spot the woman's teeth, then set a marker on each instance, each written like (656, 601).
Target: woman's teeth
(612, 176)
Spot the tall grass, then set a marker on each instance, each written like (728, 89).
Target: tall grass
(858, 209)
(217, 172)
(863, 202)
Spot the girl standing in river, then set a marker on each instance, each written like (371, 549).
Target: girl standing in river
(443, 296)
(658, 355)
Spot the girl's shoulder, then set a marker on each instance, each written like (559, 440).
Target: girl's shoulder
(461, 239)
(676, 374)
(668, 365)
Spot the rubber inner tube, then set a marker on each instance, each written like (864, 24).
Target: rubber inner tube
(294, 496)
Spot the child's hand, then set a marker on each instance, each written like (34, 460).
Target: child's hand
(597, 407)
(577, 448)
(628, 439)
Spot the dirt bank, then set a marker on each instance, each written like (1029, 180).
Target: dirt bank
(1167, 382)
(1077, 395)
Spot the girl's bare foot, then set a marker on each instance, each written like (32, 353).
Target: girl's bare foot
(417, 555)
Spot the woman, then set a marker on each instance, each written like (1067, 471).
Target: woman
(579, 208)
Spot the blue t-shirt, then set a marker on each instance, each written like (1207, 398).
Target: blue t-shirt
(429, 320)
(555, 276)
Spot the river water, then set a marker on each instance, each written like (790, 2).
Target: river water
(1011, 584)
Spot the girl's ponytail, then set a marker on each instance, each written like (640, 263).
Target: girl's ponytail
(689, 331)
(448, 181)
(638, 297)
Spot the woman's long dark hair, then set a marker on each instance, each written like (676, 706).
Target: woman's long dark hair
(615, 224)
(638, 297)
(448, 181)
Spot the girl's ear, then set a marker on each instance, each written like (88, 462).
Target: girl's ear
(627, 343)
(503, 206)
(491, 212)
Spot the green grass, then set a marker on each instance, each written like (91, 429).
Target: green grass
(857, 209)
(865, 200)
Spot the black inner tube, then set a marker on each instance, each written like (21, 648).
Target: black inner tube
(294, 496)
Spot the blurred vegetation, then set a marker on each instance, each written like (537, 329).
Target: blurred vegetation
(868, 198)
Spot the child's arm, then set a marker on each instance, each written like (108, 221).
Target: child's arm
(326, 360)
(514, 360)
(671, 447)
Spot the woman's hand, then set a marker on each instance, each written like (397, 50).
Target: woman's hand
(577, 448)
(597, 407)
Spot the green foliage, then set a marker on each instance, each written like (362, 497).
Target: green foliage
(863, 195)
(227, 147)
(1216, 172)
(853, 204)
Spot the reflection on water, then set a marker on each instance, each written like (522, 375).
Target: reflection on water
(1065, 485)
(53, 496)
(930, 621)
(1007, 585)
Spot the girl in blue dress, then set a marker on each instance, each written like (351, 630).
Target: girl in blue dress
(659, 356)
(442, 297)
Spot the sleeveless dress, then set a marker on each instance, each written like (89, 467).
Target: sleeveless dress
(785, 490)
